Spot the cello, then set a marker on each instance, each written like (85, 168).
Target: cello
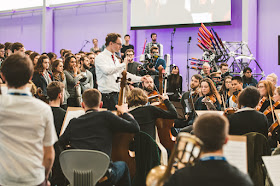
(122, 141)
(164, 125)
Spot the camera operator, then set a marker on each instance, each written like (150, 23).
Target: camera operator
(225, 71)
(151, 66)
(217, 79)
(132, 66)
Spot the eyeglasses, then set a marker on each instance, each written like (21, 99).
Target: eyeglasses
(129, 55)
(118, 43)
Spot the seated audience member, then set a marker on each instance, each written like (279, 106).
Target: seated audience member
(226, 90)
(26, 130)
(94, 131)
(212, 169)
(58, 75)
(237, 88)
(18, 48)
(34, 58)
(87, 81)
(72, 80)
(209, 95)
(78, 57)
(247, 119)
(42, 77)
(206, 70)
(174, 84)
(126, 46)
(132, 66)
(272, 78)
(266, 89)
(146, 115)
(95, 45)
(247, 78)
(55, 91)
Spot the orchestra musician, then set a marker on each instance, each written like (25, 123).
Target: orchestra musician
(237, 87)
(187, 101)
(226, 90)
(247, 119)
(266, 89)
(146, 115)
(94, 131)
(149, 89)
(209, 95)
(212, 168)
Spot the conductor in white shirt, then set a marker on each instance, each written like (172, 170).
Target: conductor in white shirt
(109, 68)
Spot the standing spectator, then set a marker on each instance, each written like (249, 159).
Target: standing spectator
(34, 58)
(153, 43)
(87, 80)
(73, 83)
(126, 46)
(42, 77)
(18, 47)
(95, 45)
(58, 75)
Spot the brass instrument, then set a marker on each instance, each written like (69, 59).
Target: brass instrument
(186, 150)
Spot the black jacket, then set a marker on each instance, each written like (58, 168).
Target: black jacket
(248, 121)
(94, 130)
(39, 81)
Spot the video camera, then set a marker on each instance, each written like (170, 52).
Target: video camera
(149, 63)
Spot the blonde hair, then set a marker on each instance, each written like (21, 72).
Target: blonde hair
(273, 76)
(137, 97)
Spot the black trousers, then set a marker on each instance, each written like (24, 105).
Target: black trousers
(110, 100)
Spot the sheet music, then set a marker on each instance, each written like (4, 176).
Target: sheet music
(70, 115)
(272, 164)
(236, 154)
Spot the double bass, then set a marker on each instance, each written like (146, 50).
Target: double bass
(122, 141)
(164, 125)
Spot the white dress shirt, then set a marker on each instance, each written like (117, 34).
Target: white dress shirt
(26, 127)
(107, 72)
(232, 104)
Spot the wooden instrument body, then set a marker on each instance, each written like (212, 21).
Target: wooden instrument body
(122, 141)
(164, 125)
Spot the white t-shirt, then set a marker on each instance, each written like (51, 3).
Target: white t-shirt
(26, 126)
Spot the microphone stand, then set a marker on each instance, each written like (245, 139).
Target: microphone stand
(188, 67)
(172, 61)
(84, 45)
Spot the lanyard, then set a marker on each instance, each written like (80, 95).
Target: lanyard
(18, 94)
(213, 158)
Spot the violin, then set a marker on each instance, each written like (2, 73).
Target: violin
(235, 96)
(230, 111)
(259, 106)
(273, 129)
(268, 110)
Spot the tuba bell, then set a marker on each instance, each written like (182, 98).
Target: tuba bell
(186, 150)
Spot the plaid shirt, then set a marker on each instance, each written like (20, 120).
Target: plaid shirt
(149, 46)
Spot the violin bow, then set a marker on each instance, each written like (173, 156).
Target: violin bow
(271, 106)
(223, 102)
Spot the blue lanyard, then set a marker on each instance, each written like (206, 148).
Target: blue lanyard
(213, 158)
(18, 94)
